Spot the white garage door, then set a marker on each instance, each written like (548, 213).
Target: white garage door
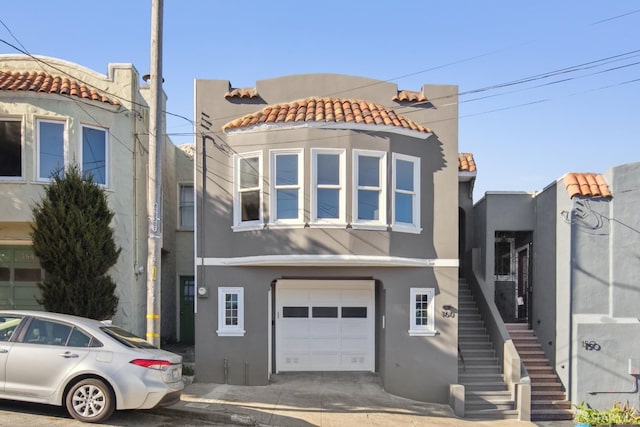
(325, 325)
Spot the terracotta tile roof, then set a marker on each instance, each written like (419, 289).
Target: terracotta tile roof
(409, 96)
(466, 163)
(242, 92)
(586, 184)
(326, 110)
(39, 81)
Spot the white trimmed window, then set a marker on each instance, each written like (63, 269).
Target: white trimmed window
(370, 190)
(10, 149)
(231, 312)
(406, 193)
(50, 149)
(185, 208)
(328, 187)
(422, 312)
(247, 195)
(95, 149)
(286, 205)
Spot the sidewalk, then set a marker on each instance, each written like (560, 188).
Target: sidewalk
(317, 399)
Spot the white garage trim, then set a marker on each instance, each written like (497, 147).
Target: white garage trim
(329, 260)
(325, 325)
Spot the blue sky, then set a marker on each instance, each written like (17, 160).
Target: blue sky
(523, 136)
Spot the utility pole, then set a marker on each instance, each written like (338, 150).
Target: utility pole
(154, 201)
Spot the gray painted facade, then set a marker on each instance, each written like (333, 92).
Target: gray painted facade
(585, 290)
(418, 367)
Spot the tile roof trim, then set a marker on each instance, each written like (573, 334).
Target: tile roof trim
(587, 185)
(331, 125)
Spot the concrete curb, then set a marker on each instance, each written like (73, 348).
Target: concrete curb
(222, 417)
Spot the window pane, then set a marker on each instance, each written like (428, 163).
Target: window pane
(368, 171)
(328, 169)
(10, 148)
(79, 339)
(503, 258)
(404, 175)
(295, 312)
(328, 203)
(354, 312)
(249, 172)
(287, 169)
(325, 312)
(186, 206)
(8, 324)
(51, 149)
(368, 205)
(287, 204)
(94, 154)
(4, 274)
(250, 205)
(404, 208)
(27, 274)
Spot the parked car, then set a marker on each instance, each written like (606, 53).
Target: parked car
(91, 367)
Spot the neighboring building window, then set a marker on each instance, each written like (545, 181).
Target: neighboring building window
(186, 206)
(248, 191)
(328, 187)
(94, 154)
(369, 194)
(287, 197)
(406, 193)
(50, 149)
(230, 312)
(422, 312)
(10, 148)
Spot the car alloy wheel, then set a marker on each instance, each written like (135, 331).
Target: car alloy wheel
(90, 400)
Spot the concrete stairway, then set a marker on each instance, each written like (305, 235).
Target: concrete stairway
(548, 399)
(486, 394)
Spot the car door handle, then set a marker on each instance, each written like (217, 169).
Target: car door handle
(4, 350)
(68, 355)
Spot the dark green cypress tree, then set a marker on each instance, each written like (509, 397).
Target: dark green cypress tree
(73, 239)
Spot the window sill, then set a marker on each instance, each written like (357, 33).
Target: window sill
(275, 225)
(365, 226)
(247, 227)
(406, 229)
(422, 333)
(230, 333)
(328, 224)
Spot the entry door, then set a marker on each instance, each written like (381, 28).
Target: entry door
(187, 318)
(325, 325)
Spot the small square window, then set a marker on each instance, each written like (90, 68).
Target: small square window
(231, 312)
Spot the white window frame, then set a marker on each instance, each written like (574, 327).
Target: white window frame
(274, 221)
(225, 330)
(21, 177)
(339, 222)
(429, 329)
(39, 147)
(181, 205)
(381, 222)
(413, 227)
(107, 161)
(238, 224)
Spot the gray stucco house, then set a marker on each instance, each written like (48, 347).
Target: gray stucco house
(565, 263)
(327, 231)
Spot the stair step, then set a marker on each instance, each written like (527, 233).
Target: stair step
(474, 405)
(548, 370)
(487, 395)
(537, 386)
(543, 378)
(477, 345)
(550, 404)
(491, 414)
(472, 352)
(485, 386)
(551, 414)
(517, 326)
(478, 369)
(547, 395)
(534, 361)
(481, 361)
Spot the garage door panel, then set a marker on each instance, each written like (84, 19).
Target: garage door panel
(338, 333)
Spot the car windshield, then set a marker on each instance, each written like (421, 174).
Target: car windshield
(126, 338)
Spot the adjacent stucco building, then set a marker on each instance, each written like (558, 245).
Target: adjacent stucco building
(565, 260)
(327, 231)
(54, 113)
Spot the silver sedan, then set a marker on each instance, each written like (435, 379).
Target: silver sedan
(91, 367)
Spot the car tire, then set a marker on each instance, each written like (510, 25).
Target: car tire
(90, 401)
